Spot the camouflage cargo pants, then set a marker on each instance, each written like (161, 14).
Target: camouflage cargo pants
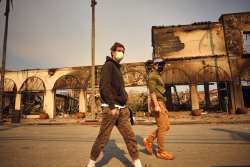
(121, 121)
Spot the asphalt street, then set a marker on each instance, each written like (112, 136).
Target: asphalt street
(208, 145)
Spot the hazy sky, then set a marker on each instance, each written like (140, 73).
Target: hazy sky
(56, 33)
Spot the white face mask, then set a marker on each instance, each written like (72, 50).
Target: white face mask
(119, 56)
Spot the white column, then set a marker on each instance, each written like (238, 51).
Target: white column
(18, 101)
(82, 102)
(194, 97)
(49, 103)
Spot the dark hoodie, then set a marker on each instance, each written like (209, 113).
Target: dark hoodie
(112, 88)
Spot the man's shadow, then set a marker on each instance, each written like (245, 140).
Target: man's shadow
(236, 135)
(110, 151)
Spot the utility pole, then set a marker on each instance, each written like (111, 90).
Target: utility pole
(7, 11)
(93, 3)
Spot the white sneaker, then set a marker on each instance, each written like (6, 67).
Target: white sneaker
(91, 163)
(137, 163)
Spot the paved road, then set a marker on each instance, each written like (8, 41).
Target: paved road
(69, 145)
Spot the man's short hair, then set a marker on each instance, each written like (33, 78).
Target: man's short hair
(148, 62)
(117, 45)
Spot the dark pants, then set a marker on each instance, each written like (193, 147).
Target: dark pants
(121, 120)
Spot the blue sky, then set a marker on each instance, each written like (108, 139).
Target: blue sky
(56, 33)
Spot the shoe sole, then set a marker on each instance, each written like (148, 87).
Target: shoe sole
(164, 158)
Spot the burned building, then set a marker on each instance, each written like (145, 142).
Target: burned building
(205, 52)
(58, 91)
(199, 53)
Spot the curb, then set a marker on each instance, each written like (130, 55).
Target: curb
(141, 123)
(137, 122)
(211, 122)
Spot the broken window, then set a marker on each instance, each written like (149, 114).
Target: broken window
(246, 38)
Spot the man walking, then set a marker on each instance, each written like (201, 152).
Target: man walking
(115, 112)
(157, 94)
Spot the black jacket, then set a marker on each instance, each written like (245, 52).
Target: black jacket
(112, 88)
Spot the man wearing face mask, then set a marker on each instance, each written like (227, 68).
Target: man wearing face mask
(115, 112)
(158, 99)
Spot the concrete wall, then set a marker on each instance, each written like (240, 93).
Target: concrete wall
(19, 77)
(189, 41)
(49, 78)
(134, 75)
(234, 25)
(210, 69)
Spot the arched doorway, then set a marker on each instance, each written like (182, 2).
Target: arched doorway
(67, 90)
(212, 74)
(209, 95)
(9, 96)
(32, 96)
(178, 90)
(215, 85)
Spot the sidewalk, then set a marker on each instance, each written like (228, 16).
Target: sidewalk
(176, 118)
(208, 118)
